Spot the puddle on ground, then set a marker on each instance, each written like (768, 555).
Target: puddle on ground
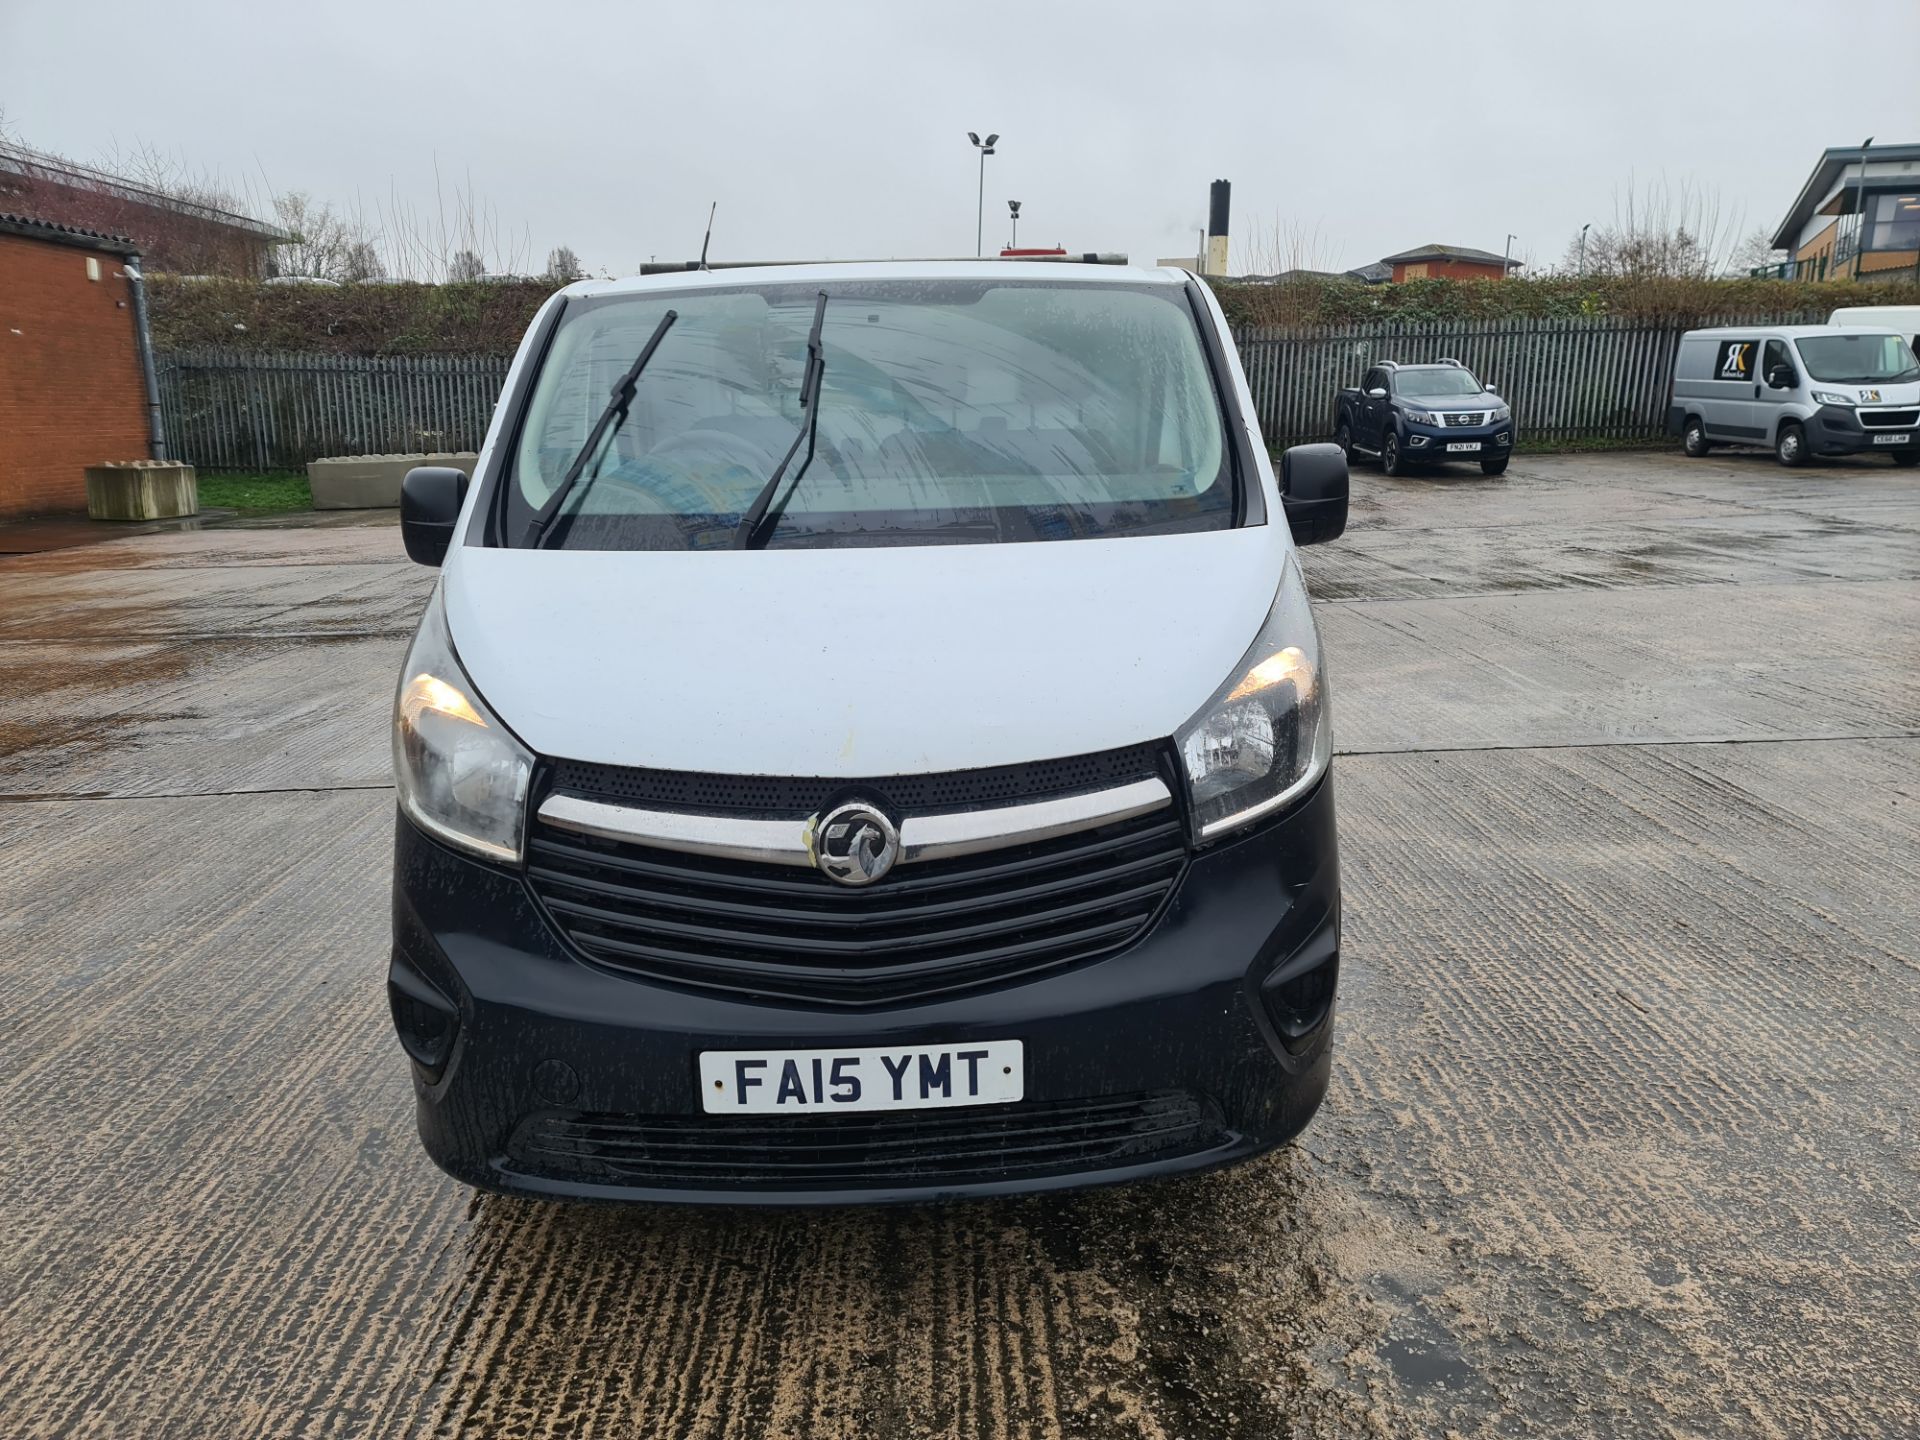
(1419, 1349)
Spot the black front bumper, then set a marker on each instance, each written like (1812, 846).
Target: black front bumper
(1207, 1041)
(1836, 430)
(1422, 443)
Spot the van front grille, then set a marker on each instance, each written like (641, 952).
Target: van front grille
(932, 928)
(1889, 419)
(906, 1148)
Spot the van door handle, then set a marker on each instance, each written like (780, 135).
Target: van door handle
(1756, 392)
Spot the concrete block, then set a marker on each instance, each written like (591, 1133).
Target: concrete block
(372, 482)
(141, 490)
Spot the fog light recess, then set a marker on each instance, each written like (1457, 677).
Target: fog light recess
(426, 1020)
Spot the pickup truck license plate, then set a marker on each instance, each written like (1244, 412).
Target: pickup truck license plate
(1464, 445)
(1891, 439)
(895, 1077)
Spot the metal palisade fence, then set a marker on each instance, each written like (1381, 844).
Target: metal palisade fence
(1567, 378)
(249, 410)
(1575, 378)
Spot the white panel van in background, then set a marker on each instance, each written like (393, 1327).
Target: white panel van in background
(1805, 390)
(1901, 319)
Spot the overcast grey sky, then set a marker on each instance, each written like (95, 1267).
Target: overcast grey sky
(837, 128)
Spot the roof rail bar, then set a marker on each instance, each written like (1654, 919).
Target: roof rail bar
(678, 267)
(1449, 360)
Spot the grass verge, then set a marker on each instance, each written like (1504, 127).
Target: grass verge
(255, 494)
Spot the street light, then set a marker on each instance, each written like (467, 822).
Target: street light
(1014, 206)
(1506, 265)
(1583, 246)
(985, 147)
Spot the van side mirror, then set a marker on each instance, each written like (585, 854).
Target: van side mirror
(1377, 393)
(430, 498)
(1313, 491)
(1781, 377)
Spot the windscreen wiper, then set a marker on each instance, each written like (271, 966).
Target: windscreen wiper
(757, 525)
(610, 419)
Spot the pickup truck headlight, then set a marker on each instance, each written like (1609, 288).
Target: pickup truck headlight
(1501, 414)
(1833, 397)
(1421, 417)
(461, 776)
(1264, 738)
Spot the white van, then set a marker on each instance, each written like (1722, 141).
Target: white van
(869, 741)
(1804, 390)
(1903, 320)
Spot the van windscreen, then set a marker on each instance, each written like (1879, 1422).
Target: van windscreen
(1864, 359)
(949, 412)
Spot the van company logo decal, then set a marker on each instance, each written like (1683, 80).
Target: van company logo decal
(1735, 360)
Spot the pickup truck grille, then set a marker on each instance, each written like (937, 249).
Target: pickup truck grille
(1465, 417)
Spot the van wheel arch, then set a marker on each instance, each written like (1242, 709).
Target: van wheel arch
(1393, 453)
(1790, 443)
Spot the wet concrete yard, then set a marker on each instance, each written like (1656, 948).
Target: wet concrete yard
(1622, 1137)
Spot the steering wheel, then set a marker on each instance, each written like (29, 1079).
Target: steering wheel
(718, 468)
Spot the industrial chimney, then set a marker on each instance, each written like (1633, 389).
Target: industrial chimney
(1218, 203)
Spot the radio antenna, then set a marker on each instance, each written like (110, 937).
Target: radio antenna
(709, 240)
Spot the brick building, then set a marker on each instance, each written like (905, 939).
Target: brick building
(73, 375)
(1448, 262)
(172, 232)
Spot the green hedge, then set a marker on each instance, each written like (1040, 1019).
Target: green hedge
(488, 317)
(1347, 302)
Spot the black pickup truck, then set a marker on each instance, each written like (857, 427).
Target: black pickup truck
(1422, 415)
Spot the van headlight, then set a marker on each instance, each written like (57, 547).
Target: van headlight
(461, 776)
(1263, 739)
(1833, 397)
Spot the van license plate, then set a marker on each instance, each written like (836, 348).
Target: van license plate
(1891, 439)
(1464, 445)
(896, 1077)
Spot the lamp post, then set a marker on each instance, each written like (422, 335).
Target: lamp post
(1014, 207)
(1506, 263)
(1860, 226)
(1583, 246)
(985, 147)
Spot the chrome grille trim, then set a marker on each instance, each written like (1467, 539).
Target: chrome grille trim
(922, 837)
(971, 832)
(725, 837)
